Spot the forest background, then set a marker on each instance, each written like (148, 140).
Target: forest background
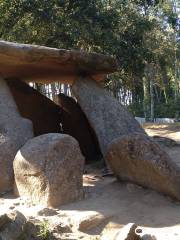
(143, 35)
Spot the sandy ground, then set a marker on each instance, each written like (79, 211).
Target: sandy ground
(166, 130)
(171, 131)
(109, 205)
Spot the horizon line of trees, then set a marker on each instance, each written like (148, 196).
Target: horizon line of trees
(143, 35)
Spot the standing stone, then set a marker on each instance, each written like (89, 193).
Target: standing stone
(46, 116)
(107, 117)
(132, 155)
(14, 132)
(75, 124)
(48, 169)
(44, 113)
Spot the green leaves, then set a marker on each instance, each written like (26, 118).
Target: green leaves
(136, 32)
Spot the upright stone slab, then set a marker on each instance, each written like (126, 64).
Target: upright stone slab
(107, 117)
(44, 113)
(132, 155)
(14, 132)
(75, 124)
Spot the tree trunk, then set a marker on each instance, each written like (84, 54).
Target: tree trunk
(53, 90)
(146, 102)
(165, 82)
(152, 99)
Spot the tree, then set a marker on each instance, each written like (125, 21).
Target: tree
(139, 33)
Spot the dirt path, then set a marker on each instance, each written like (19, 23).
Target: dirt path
(109, 205)
(165, 130)
(120, 203)
(171, 131)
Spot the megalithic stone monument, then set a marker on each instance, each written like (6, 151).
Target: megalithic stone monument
(30, 63)
(133, 156)
(14, 132)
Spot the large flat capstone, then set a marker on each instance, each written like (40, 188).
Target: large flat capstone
(43, 64)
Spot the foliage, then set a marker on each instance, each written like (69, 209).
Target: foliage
(169, 110)
(139, 33)
(44, 232)
(136, 109)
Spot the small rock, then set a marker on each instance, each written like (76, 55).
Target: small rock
(12, 207)
(47, 212)
(62, 228)
(89, 221)
(4, 219)
(16, 204)
(168, 142)
(148, 237)
(32, 228)
(133, 187)
(13, 227)
(138, 230)
(128, 233)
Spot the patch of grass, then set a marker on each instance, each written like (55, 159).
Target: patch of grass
(44, 232)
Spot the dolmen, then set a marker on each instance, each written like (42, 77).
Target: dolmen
(49, 117)
(75, 124)
(48, 168)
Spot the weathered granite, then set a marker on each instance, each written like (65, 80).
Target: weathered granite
(106, 115)
(75, 124)
(44, 113)
(48, 170)
(43, 64)
(47, 116)
(137, 158)
(131, 154)
(14, 132)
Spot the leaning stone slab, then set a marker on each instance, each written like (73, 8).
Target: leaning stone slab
(48, 170)
(14, 132)
(107, 117)
(124, 144)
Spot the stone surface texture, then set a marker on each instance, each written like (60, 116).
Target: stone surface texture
(131, 154)
(107, 117)
(46, 116)
(75, 124)
(137, 158)
(48, 169)
(43, 64)
(14, 132)
(44, 113)
(128, 233)
(13, 227)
